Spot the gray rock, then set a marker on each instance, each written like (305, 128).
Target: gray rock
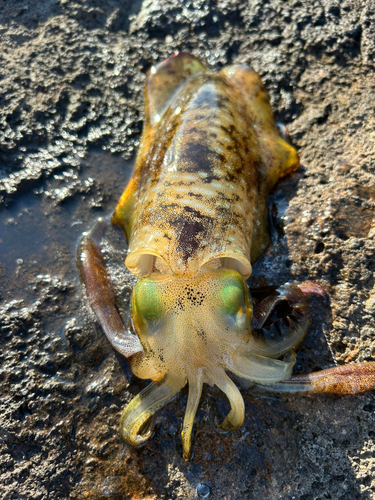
(71, 93)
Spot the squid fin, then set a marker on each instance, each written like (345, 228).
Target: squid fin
(164, 80)
(278, 157)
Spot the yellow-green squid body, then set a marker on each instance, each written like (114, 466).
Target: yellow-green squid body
(195, 217)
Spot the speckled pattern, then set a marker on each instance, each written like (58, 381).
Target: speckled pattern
(204, 171)
(72, 79)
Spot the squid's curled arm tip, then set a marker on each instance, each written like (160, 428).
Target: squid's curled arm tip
(143, 407)
(236, 415)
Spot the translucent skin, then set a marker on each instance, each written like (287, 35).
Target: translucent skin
(195, 217)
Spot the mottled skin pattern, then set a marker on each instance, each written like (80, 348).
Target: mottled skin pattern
(202, 183)
(195, 217)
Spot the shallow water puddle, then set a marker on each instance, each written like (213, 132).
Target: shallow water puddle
(40, 229)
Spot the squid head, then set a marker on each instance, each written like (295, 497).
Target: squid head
(193, 330)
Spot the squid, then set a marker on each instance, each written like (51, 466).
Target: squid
(195, 218)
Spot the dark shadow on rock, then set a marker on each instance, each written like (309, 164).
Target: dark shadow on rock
(90, 14)
(21, 12)
(273, 267)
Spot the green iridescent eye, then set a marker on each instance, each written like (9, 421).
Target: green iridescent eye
(147, 299)
(232, 294)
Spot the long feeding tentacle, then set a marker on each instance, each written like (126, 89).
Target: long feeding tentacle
(350, 379)
(144, 406)
(195, 391)
(236, 416)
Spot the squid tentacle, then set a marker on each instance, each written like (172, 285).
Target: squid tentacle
(236, 415)
(144, 406)
(195, 392)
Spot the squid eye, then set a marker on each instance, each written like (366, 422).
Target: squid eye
(147, 300)
(234, 297)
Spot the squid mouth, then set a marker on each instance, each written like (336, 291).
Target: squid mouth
(136, 425)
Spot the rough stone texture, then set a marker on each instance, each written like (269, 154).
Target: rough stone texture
(71, 78)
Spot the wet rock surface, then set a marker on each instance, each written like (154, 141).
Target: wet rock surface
(71, 91)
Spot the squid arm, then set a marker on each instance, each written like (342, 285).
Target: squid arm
(349, 379)
(101, 294)
(142, 408)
